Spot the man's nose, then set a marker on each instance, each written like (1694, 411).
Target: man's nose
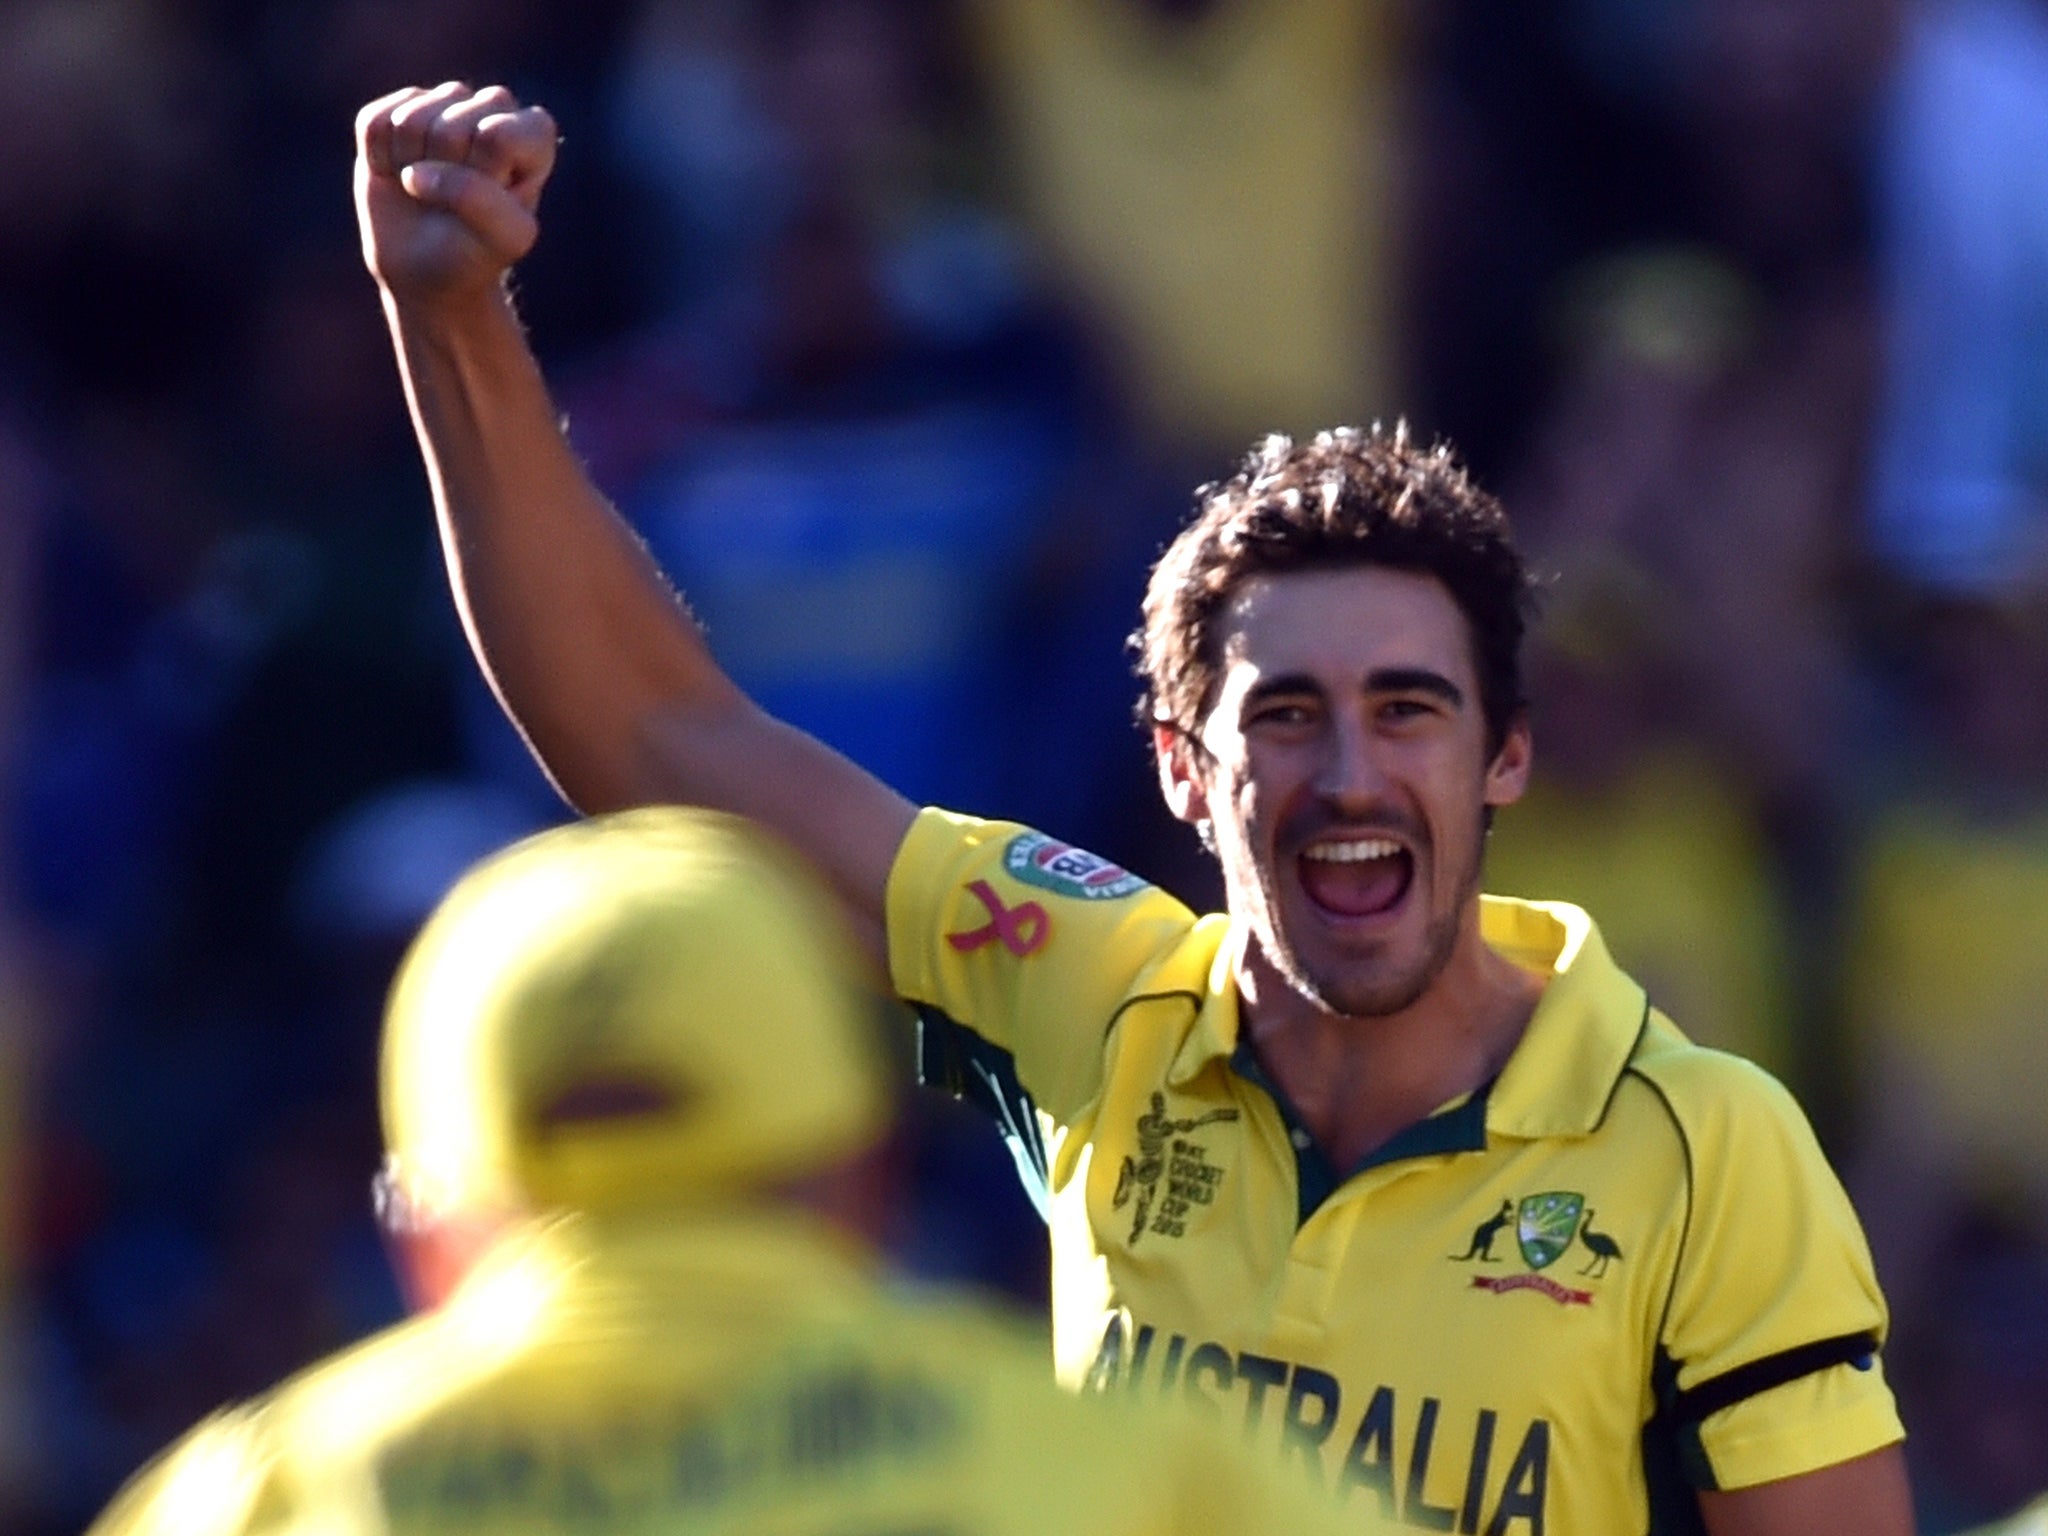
(1350, 773)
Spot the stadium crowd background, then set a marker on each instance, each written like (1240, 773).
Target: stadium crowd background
(903, 328)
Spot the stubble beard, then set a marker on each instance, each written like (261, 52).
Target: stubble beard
(1367, 999)
(1378, 999)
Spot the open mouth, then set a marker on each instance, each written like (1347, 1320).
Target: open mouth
(1356, 877)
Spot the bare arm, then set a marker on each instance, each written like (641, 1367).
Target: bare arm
(586, 646)
(1864, 1497)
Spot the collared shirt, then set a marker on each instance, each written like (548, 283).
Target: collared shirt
(1620, 1271)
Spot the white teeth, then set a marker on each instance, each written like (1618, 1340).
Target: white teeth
(1354, 852)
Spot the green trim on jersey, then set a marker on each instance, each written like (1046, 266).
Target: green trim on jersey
(1674, 1465)
(1460, 1128)
(1492, 1324)
(961, 1063)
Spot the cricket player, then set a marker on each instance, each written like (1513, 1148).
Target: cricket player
(634, 1098)
(1414, 1185)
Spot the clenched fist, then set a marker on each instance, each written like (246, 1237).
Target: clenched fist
(447, 182)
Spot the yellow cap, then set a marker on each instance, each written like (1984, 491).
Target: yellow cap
(654, 1006)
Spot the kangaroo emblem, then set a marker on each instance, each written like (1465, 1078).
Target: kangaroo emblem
(1483, 1235)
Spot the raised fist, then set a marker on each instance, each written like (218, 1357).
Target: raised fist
(447, 182)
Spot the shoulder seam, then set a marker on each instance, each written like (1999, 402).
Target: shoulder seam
(1194, 999)
(1685, 1229)
(1628, 1066)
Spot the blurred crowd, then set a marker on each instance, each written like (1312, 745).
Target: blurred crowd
(902, 330)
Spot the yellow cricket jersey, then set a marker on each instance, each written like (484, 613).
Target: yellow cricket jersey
(1620, 1271)
(739, 1375)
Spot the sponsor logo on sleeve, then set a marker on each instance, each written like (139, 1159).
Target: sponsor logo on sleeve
(1065, 870)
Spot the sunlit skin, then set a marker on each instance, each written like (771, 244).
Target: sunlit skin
(1343, 768)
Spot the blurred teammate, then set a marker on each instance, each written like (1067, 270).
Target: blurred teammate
(1265, 1139)
(633, 1100)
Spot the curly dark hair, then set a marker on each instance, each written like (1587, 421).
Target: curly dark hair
(1350, 497)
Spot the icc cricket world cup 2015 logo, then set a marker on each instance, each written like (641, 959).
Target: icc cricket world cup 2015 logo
(1164, 1152)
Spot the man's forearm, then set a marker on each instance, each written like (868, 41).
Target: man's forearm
(588, 647)
(577, 630)
(1868, 1496)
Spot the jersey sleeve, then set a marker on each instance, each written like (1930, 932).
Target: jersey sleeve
(1775, 1320)
(1016, 951)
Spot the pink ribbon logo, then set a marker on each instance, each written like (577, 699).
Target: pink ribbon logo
(1020, 929)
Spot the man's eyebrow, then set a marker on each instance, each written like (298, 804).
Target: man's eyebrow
(1279, 685)
(1415, 680)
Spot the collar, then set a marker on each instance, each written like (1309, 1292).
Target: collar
(1564, 1070)
(1566, 1066)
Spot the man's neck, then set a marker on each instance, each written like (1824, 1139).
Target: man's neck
(1357, 1082)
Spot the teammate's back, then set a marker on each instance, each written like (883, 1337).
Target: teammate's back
(633, 1101)
(743, 1375)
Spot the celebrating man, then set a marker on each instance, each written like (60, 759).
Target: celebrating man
(1260, 1135)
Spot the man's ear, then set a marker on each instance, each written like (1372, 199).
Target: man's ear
(1507, 776)
(1180, 760)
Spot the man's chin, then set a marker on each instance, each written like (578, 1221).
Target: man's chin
(1355, 997)
(1389, 979)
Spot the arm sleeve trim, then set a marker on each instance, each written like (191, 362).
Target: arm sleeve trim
(1718, 1392)
(955, 1059)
